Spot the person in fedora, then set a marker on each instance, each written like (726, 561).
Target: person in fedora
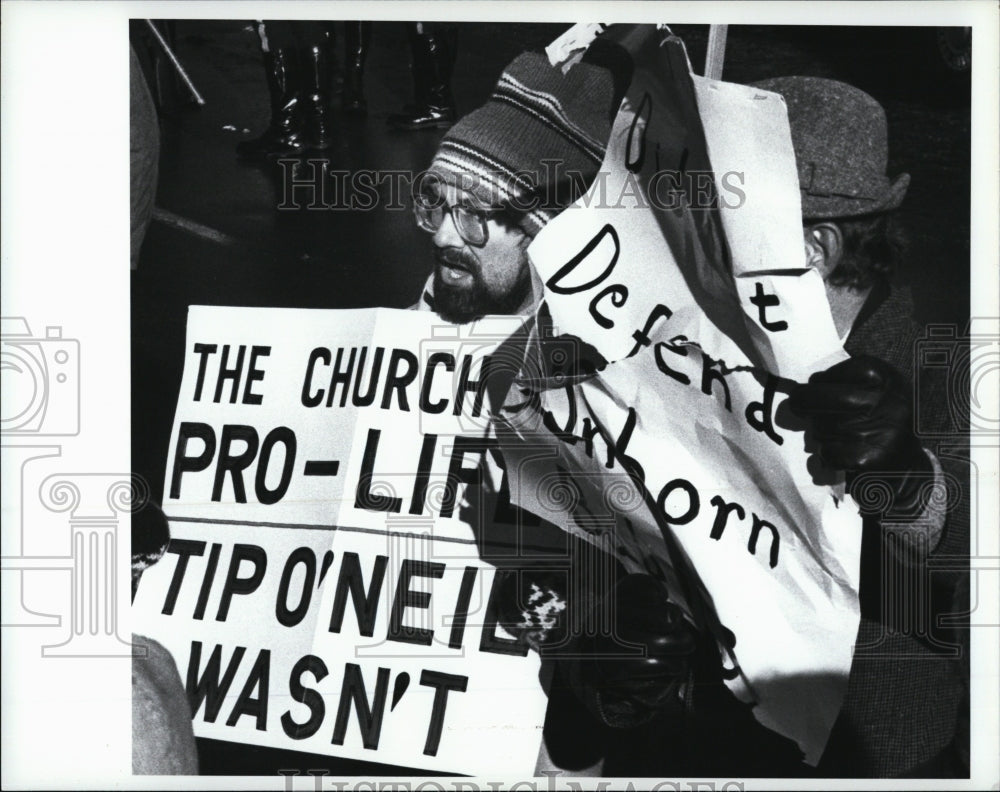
(860, 411)
(906, 707)
(906, 699)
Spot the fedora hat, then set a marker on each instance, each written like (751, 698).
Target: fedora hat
(839, 134)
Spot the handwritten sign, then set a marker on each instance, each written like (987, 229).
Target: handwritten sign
(678, 453)
(321, 592)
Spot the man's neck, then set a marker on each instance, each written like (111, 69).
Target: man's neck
(535, 294)
(845, 305)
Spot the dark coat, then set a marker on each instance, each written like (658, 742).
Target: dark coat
(907, 693)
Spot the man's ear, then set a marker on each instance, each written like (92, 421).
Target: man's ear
(824, 247)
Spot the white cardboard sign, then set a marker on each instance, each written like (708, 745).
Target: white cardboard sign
(321, 592)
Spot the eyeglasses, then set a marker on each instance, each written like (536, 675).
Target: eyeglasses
(469, 222)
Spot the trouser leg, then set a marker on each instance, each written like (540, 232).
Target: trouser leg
(433, 50)
(281, 68)
(357, 40)
(316, 98)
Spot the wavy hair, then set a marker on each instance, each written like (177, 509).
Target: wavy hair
(873, 248)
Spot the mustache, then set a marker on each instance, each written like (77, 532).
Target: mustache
(457, 258)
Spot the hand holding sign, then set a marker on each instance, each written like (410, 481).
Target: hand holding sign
(861, 419)
(634, 674)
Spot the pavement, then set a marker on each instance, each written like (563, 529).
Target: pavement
(219, 237)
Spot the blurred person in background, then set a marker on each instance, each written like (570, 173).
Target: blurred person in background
(162, 734)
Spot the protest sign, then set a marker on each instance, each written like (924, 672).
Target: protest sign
(321, 591)
(691, 282)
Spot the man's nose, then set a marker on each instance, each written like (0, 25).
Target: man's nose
(447, 234)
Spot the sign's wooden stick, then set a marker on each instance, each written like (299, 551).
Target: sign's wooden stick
(716, 52)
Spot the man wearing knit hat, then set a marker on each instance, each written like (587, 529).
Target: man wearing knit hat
(500, 174)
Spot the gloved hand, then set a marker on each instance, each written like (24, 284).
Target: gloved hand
(860, 415)
(620, 687)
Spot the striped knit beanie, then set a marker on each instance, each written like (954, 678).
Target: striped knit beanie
(537, 143)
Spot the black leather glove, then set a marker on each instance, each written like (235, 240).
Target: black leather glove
(860, 416)
(619, 686)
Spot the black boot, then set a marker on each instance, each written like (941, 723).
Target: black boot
(284, 133)
(315, 99)
(357, 38)
(433, 63)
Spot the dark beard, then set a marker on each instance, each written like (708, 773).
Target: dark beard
(463, 305)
